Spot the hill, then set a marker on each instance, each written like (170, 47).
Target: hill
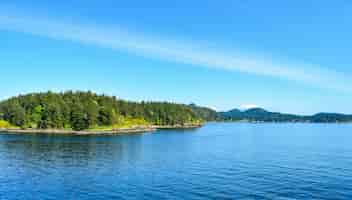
(87, 110)
(261, 115)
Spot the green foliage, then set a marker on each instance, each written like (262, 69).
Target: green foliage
(131, 122)
(124, 123)
(5, 124)
(14, 113)
(105, 116)
(79, 119)
(204, 113)
(84, 110)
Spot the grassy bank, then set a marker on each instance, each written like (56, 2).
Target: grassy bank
(124, 127)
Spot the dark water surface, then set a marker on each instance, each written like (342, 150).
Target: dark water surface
(218, 161)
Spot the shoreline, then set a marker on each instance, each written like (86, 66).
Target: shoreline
(284, 122)
(187, 126)
(119, 131)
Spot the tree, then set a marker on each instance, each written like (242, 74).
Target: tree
(92, 109)
(15, 114)
(105, 116)
(79, 119)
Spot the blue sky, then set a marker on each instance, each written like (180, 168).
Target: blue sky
(283, 56)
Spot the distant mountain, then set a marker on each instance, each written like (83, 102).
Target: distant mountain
(261, 115)
(230, 114)
(330, 117)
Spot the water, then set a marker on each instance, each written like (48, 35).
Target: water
(218, 161)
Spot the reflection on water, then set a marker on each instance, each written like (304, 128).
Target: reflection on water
(70, 150)
(218, 161)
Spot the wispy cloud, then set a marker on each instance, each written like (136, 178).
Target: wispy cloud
(249, 106)
(173, 50)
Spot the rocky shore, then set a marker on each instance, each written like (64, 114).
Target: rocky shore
(143, 129)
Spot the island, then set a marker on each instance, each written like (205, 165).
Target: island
(87, 113)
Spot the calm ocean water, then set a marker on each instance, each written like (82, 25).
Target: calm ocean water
(218, 161)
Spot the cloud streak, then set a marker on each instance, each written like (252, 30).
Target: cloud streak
(249, 106)
(172, 50)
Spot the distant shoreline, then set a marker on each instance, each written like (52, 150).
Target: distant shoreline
(284, 122)
(119, 131)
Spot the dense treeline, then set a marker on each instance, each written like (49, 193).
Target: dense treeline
(205, 113)
(84, 110)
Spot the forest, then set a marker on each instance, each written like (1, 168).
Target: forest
(79, 110)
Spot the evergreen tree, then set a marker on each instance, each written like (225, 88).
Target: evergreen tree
(79, 119)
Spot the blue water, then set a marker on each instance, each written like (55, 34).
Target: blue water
(218, 161)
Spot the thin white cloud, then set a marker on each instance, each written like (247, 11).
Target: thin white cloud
(172, 50)
(249, 106)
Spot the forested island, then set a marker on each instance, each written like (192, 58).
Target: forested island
(89, 112)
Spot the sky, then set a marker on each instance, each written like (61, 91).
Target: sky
(291, 57)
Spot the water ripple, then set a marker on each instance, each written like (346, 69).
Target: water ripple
(218, 161)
